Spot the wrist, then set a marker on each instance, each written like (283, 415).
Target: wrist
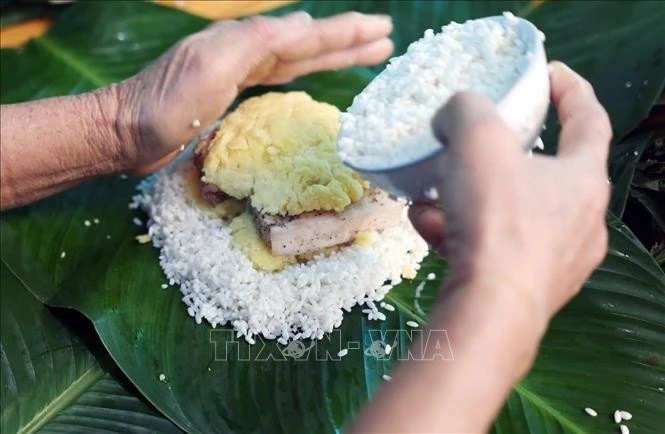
(491, 320)
(112, 136)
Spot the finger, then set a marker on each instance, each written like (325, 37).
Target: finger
(472, 130)
(585, 126)
(336, 33)
(429, 223)
(256, 36)
(368, 54)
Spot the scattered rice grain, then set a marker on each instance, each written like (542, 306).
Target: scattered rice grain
(625, 415)
(162, 377)
(617, 416)
(387, 377)
(164, 285)
(432, 193)
(389, 307)
(431, 276)
(196, 123)
(624, 429)
(343, 352)
(137, 221)
(87, 223)
(412, 324)
(143, 238)
(591, 412)
(387, 349)
(63, 254)
(95, 221)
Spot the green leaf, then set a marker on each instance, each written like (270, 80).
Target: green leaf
(610, 334)
(52, 383)
(605, 350)
(599, 351)
(617, 46)
(623, 157)
(91, 44)
(653, 202)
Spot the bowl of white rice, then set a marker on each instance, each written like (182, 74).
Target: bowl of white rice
(386, 132)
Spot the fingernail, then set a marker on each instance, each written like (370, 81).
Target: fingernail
(386, 17)
(555, 64)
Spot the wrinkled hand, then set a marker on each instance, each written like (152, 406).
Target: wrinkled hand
(200, 76)
(534, 225)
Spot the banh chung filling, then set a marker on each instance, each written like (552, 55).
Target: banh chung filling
(282, 264)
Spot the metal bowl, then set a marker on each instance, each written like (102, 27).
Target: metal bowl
(523, 108)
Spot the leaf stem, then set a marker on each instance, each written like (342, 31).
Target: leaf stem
(63, 400)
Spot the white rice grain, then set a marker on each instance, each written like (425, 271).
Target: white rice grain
(431, 276)
(63, 254)
(432, 193)
(591, 412)
(387, 349)
(624, 429)
(388, 123)
(343, 352)
(86, 223)
(617, 416)
(389, 307)
(625, 415)
(412, 324)
(302, 301)
(386, 377)
(196, 123)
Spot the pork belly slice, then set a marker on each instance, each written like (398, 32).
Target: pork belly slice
(313, 231)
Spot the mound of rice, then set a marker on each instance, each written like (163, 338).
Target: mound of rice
(219, 284)
(388, 123)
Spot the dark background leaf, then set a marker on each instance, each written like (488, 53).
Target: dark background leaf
(51, 382)
(624, 156)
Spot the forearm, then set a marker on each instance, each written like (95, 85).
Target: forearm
(493, 344)
(51, 144)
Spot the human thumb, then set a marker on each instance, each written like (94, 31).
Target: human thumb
(470, 128)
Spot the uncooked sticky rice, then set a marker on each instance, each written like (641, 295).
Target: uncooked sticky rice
(219, 284)
(388, 123)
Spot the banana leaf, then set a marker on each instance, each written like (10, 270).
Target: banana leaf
(605, 350)
(52, 383)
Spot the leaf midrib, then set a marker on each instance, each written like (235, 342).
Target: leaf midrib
(70, 59)
(91, 376)
(72, 392)
(545, 407)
